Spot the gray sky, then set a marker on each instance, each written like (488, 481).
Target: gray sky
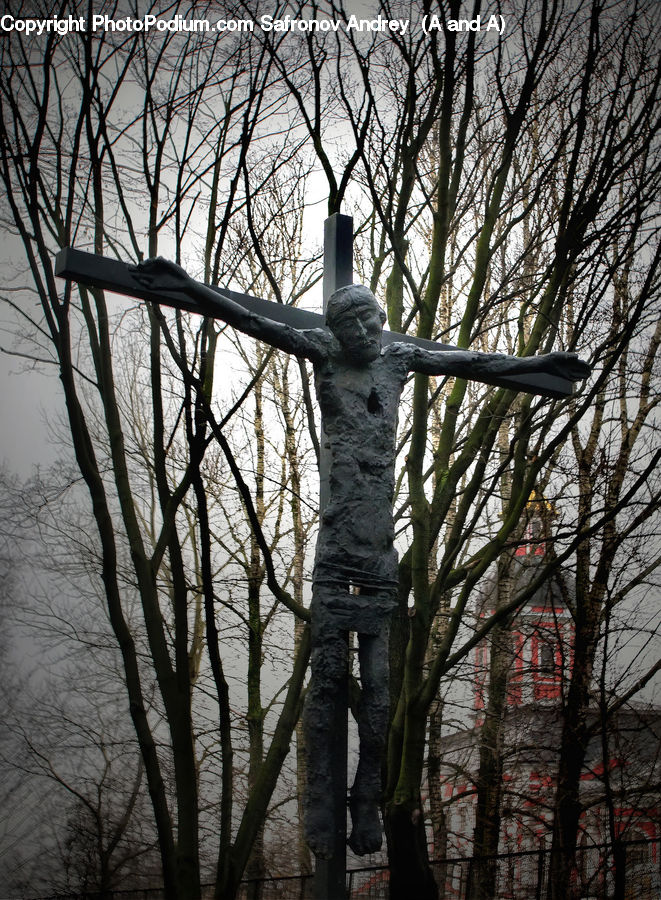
(26, 398)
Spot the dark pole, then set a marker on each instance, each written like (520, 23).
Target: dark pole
(330, 874)
(338, 272)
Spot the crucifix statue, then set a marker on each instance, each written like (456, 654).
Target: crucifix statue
(360, 372)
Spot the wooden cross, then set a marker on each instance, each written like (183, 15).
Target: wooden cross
(102, 272)
(113, 275)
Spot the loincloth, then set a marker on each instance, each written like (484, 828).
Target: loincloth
(336, 607)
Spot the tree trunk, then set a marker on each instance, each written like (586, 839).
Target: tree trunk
(436, 805)
(486, 835)
(410, 872)
(573, 746)
(489, 778)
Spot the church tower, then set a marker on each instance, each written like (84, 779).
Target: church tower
(500, 768)
(542, 633)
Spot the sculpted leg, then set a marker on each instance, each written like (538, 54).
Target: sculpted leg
(366, 834)
(328, 663)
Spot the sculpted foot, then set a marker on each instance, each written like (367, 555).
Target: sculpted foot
(366, 832)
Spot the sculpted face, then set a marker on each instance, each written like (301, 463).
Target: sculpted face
(356, 320)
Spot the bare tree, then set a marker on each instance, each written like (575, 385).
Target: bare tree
(490, 181)
(494, 181)
(145, 465)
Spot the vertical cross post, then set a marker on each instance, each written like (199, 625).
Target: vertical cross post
(330, 874)
(338, 272)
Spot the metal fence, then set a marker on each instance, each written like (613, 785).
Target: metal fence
(631, 871)
(521, 875)
(524, 875)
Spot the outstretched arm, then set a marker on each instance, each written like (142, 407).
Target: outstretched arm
(469, 364)
(161, 274)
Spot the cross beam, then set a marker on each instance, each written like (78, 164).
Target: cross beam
(113, 275)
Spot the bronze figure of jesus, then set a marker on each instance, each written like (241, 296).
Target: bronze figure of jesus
(358, 385)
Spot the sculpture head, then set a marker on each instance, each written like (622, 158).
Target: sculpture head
(356, 320)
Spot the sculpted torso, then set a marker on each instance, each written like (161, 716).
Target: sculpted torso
(359, 406)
